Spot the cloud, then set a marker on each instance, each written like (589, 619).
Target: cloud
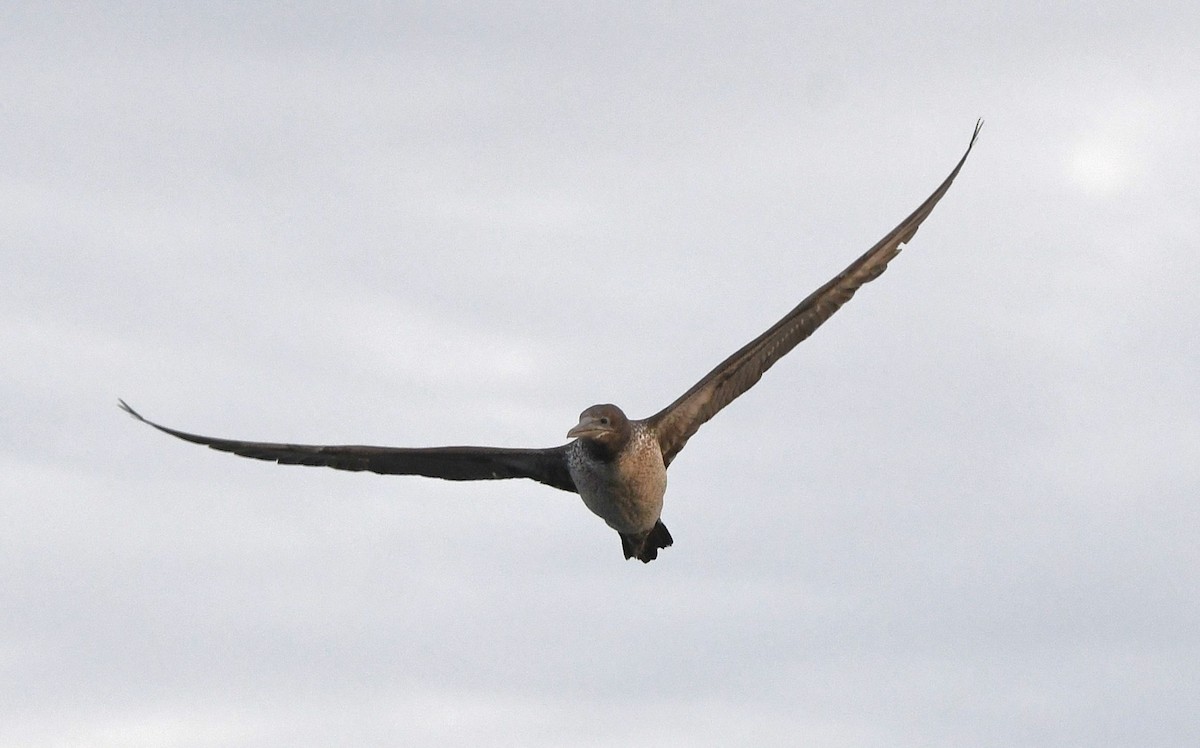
(962, 513)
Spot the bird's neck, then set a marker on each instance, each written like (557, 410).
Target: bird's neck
(604, 451)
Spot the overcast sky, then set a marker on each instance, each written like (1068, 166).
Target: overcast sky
(964, 513)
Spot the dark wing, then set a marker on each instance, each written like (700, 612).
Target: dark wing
(547, 466)
(676, 423)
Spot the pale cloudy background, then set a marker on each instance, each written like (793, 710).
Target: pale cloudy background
(963, 514)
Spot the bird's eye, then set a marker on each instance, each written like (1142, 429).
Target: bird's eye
(604, 421)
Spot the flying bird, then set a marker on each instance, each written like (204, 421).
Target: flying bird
(617, 465)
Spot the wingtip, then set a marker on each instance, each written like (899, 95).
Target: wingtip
(125, 407)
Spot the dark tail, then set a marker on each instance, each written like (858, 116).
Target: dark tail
(645, 548)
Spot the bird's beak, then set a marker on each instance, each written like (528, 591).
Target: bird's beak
(586, 427)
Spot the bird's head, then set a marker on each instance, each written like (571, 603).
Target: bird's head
(603, 424)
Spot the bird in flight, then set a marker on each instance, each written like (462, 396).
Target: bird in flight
(617, 465)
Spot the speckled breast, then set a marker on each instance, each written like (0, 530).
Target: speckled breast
(626, 491)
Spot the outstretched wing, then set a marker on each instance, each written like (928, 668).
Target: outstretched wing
(676, 423)
(547, 466)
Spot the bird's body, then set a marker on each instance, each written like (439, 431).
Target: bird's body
(623, 487)
(618, 466)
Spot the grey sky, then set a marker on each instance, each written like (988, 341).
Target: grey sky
(963, 513)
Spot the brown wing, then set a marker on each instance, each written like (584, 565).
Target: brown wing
(547, 466)
(676, 423)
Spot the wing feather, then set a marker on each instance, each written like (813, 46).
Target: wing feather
(547, 466)
(676, 423)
